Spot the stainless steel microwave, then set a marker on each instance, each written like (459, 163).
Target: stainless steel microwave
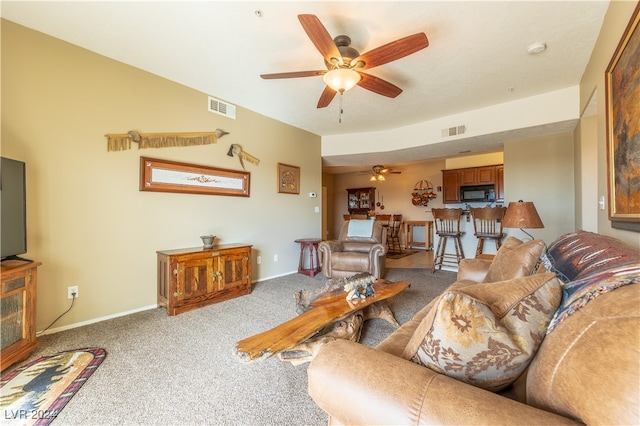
(478, 193)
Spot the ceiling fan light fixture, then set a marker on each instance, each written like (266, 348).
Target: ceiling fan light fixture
(341, 79)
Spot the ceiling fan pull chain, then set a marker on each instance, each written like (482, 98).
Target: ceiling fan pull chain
(340, 115)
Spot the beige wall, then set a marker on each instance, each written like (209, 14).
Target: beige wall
(594, 155)
(87, 221)
(541, 170)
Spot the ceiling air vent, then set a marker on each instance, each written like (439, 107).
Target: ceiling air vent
(222, 108)
(452, 131)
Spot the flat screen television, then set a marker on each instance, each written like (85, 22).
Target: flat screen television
(13, 208)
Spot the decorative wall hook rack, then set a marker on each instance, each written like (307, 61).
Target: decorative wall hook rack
(122, 141)
(422, 193)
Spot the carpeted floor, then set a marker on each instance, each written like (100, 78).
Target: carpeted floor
(183, 369)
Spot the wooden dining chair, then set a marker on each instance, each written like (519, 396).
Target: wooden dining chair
(393, 235)
(385, 219)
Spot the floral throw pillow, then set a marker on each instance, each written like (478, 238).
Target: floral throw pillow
(486, 334)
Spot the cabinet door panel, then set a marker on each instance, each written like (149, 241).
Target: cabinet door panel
(500, 183)
(194, 278)
(451, 183)
(234, 270)
(486, 175)
(469, 176)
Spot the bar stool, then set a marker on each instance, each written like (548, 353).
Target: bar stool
(487, 225)
(447, 223)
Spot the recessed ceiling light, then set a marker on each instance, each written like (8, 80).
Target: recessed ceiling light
(536, 48)
(258, 13)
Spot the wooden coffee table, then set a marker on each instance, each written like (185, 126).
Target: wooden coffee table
(323, 312)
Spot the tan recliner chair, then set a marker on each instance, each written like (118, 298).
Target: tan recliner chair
(352, 254)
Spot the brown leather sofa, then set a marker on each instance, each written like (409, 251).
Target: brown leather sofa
(586, 370)
(349, 255)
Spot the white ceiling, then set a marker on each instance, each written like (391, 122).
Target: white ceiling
(477, 55)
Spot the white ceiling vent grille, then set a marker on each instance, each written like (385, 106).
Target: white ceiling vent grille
(453, 131)
(222, 108)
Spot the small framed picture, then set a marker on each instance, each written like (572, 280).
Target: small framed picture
(288, 179)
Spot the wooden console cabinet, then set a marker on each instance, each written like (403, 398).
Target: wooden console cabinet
(18, 311)
(195, 277)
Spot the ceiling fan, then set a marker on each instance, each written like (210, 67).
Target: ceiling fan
(378, 171)
(345, 64)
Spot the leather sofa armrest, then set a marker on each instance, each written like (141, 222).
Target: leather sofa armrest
(325, 248)
(329, 246)
(377, 250)
(357, 384)
(473, 270)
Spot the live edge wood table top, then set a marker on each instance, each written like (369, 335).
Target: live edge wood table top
(323, 312)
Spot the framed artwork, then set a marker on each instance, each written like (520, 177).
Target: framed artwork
(171, 176)
(622, 85)
(288, 179)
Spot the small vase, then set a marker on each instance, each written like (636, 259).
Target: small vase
(207, 240)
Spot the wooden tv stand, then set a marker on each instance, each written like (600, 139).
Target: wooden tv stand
(18, 313)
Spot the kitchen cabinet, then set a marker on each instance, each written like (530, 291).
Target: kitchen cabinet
(453, 179)
(196, 277)
(18, 311)
(500, 183)
(361, 200)
(485, 175)
(451, 186)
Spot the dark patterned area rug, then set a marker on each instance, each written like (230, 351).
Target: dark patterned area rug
(35, 393)
(399, 255)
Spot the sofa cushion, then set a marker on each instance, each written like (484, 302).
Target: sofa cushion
(514, 259)
(486, 334)
(578, 254)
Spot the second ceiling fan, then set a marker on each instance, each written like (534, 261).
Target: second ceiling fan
(345, 64)
(378, 171)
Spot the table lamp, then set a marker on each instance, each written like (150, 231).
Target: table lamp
(522, 214)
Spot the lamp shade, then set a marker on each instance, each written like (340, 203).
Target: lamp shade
(522, 214)
(341, 79)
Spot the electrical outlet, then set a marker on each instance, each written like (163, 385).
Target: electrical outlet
(275, 257)
(70, 290)
(259, 260)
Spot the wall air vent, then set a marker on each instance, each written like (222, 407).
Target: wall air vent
(222, 108)
(453, 131)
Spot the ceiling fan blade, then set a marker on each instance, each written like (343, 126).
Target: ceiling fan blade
(294, 74)
(326, 97)
(379, 86)
(388, 171)
(392, 51)
(320, 37)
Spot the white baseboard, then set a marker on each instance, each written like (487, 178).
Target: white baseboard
(95, 320)
(133, 311)
(274, 276)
